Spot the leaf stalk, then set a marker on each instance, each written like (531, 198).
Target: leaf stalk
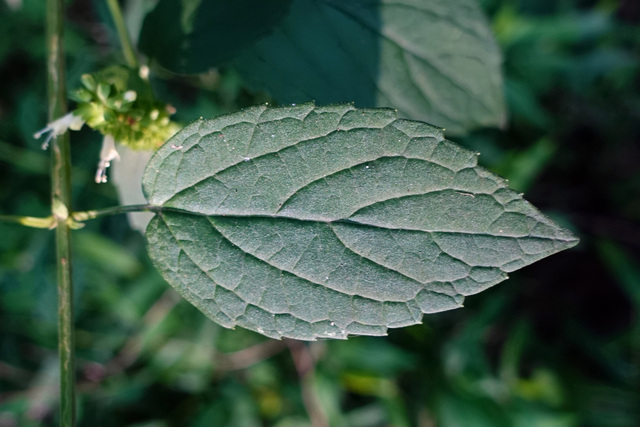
(92, 214)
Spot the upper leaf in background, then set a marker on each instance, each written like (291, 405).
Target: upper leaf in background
(310, 222)
(192, 36)
(432, 60)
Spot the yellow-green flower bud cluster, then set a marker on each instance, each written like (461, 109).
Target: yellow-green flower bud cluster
(134, 119)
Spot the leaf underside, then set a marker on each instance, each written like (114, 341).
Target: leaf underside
(321, 222)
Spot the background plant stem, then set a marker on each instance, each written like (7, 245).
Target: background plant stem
(61, 208)
(127, 46)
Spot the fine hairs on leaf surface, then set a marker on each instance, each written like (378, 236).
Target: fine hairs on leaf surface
(322, 222)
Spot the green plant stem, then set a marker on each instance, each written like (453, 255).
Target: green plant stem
(60, 204)
(125, 41)
(86, 215)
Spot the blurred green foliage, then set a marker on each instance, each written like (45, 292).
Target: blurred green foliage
(558, 346)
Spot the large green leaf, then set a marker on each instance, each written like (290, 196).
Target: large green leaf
(309, 222)
(433, 60)
(192, 36)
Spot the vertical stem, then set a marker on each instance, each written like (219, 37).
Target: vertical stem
(125, 41)
(61, 207)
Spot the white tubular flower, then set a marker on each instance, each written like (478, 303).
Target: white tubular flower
(107, 154)
(58, 127)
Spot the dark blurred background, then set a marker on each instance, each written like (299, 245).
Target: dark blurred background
(558, 344)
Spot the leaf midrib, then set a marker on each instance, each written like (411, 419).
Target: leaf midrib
(160, 209)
